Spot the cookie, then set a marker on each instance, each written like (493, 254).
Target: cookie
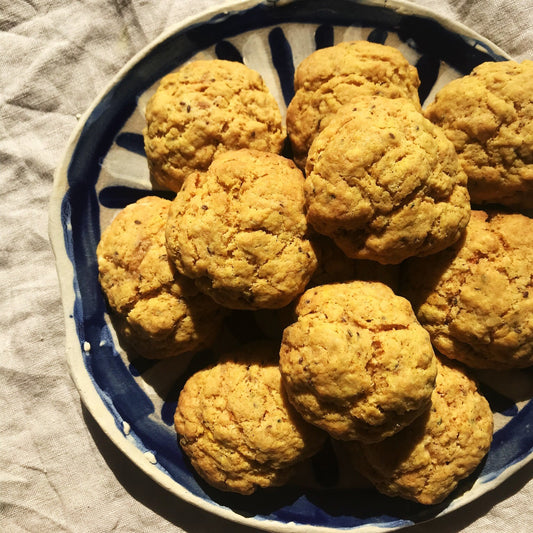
(203, 109)
(239, 230)
(488, 115)
(356, 363)
(475, 297)
(236, 425)
(425, 461)
(159, 312)
(385, 183)
(333, 76)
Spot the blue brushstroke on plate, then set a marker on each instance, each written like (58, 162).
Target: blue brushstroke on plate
(428, 70)
(228, 51)
(119, 196)
(281, 53)
(510, 444)
(115, 381)
(378, 36)
(133, 142)
(324, 36)
(167, 412)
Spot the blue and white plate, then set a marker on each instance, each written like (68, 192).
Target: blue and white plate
(104, 169)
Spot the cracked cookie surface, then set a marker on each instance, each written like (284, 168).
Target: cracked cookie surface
(203, 109)
(356, 363)
(425, 461)
(239, 230)
(333, 76)
(236, 425)
(488, 115)
(385, 183)
(475, 297)
(160, 313)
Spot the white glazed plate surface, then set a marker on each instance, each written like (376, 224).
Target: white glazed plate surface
(104, 169)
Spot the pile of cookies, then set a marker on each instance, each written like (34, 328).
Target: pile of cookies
(350, 233)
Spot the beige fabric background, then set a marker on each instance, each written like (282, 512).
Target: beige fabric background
(58, 471)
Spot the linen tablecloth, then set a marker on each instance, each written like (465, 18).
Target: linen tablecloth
(58, 471)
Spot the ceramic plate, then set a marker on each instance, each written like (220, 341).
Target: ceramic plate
(104, 169)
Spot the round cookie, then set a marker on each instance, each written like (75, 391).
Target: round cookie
(236, 425)
(333, 76)
(385, 183)
(356, 363)
(159, 312)
(203, 109)
(475, 297)
(425, 461)
(239, 230)
(488, 115)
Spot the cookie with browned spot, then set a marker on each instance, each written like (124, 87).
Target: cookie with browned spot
(385, 183)
(357, 363)
(488, 115)
(425, 461)
(236, 425)
(203, 109)
(159, 312)
(333, 76)
(475, 297)
(239, 230)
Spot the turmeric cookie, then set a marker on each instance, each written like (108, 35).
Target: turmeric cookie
(239, 230)
(203, 109)
(356, 363)
(475, 297)
(385, 183)
(236, 425)
(488, 115)
(425, 461)
(160, 313)
(333, 76)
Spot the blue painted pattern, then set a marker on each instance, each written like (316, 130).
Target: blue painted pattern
(116, 382)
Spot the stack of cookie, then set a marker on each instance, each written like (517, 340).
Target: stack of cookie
(358, 255)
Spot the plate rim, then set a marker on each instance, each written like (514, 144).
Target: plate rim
(83, 381)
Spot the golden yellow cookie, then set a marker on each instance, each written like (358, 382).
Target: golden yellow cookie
(488, 116)
(425, 461)
(239, 230)
(160, 312)
(236, 425)
(203, 109)
(384, 183)
(333, 76)
(357, 363)
(475, 298)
